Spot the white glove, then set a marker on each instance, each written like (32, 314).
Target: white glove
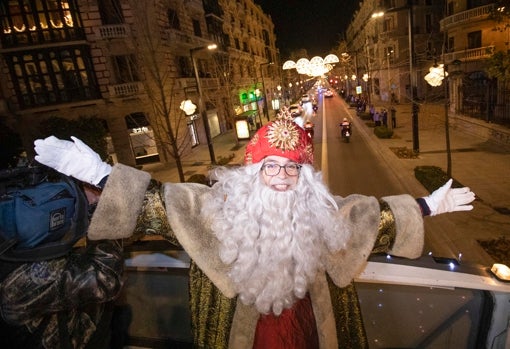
(72, 159)
(446, 199)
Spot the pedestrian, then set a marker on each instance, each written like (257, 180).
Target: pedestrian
(384, 117)
(377, 118)
(273, 252)
(393, 112)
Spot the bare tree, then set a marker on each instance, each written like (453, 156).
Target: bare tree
(157, 63)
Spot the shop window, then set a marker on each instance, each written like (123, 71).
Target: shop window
(141, 135)
(52, 76)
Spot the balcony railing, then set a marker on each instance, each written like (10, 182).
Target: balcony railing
(472, 54)
(128, 89)
(185, 40)
(477, 13)
(113, 31)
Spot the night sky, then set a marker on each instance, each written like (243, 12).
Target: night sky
(316, 26)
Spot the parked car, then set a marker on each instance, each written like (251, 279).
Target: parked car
(305, 98)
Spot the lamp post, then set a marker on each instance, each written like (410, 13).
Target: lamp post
(412, 77)
(266, 112)
(201, 103)
(438, 74)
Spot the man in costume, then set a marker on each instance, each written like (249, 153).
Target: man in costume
(273, 252)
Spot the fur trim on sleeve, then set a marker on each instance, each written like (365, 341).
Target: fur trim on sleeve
(120, 204)
(183, 205)
(409, 223)
(360, 215)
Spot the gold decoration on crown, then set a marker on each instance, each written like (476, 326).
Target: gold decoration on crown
(283, 134)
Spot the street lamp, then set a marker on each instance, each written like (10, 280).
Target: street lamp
(266, 113)
(201, 103)
(412, 77)
(435, 77)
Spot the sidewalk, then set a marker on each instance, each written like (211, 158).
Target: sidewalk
(477, 163)
(482, 165)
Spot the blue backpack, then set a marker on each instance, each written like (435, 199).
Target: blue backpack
(42, 214)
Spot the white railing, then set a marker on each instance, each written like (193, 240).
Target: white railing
(472, 54)
(113, 31)
(122, 90)
(464, 16)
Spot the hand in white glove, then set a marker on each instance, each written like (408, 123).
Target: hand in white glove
(446, 199)
(73, 159)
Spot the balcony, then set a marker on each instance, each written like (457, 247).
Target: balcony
(473, 54)
(189, 83)
(115, 31)
(185, 41)
(124, 90)
(478, 13)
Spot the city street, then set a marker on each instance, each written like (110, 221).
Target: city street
(367, 166)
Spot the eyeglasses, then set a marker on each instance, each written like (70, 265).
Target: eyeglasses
(272, 169)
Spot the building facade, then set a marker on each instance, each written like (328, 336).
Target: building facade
(461, 34)
(130, 63)
(379, 37)
(474, 33)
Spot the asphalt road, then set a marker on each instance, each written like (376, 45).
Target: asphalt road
(359, 168)
(348, 168)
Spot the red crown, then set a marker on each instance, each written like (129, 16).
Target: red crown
(282, 138)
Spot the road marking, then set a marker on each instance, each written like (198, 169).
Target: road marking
(324, 150)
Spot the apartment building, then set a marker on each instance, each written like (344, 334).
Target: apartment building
(380, 37)
(131, 63)
(475, 31)
(461, 34)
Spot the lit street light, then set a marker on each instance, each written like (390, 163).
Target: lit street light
(412, 77)
(201, 103)
(266, 112)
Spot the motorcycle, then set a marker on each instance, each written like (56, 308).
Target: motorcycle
(345, 131)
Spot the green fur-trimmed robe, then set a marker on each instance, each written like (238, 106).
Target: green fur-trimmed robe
(393, 224)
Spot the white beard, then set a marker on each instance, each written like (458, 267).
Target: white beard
(273, 241)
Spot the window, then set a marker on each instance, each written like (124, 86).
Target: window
(184, 66)
(125, 69)
(450, 44)
(390, 55)
(388, 24)
(428, 23)
(196, 28)
(450, 9)
(110, 12)
(474, 39)
(52, 76)
(173, 19)
(36, 22)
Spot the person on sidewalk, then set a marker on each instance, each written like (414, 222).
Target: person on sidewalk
(273, 252)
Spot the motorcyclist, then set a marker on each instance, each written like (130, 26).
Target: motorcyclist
(345, 126)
